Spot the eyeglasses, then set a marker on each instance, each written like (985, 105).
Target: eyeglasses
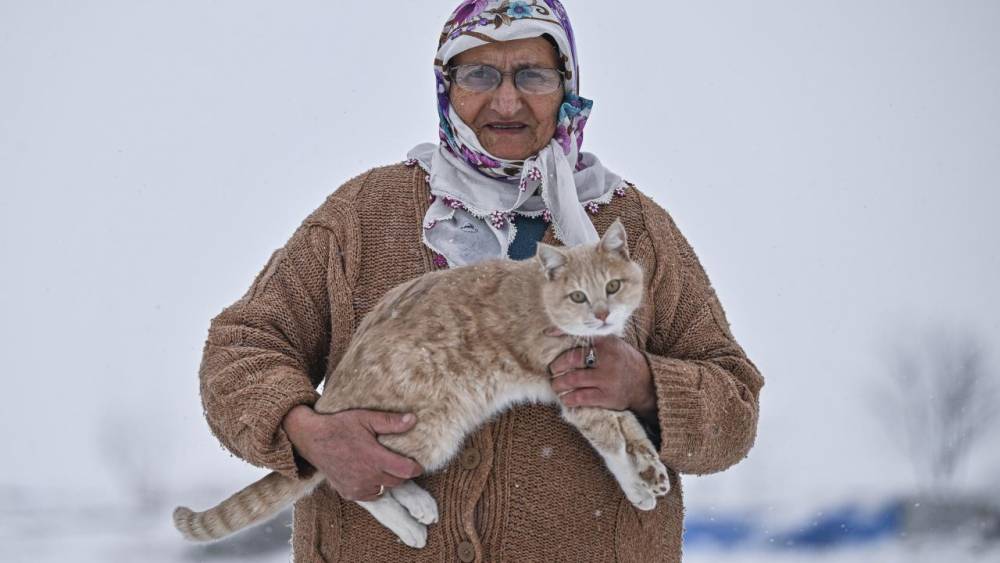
(483, 78)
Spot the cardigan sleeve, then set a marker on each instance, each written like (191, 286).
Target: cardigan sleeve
(267, 352)
(707, 388)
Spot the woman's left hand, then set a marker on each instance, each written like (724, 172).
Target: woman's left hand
(619, 379)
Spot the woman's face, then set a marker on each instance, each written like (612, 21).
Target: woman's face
(509, 124)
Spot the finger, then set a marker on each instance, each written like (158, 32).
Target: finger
(371, 496)
(577, 378)
(602, 341)
(389, 480)
(569, 360)
(366, 490)
(384, 422)
(563, 362)
(587, 397)
(397, 465)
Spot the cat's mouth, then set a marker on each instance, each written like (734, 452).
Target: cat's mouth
(599, 328)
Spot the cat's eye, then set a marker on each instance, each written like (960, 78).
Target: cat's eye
(578, 296)
(613, 286)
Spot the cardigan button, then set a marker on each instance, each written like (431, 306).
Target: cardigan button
(471, 458)
(466, 552)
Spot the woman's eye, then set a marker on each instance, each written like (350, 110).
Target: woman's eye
(613, 286)
(480, 72)
(578, 297)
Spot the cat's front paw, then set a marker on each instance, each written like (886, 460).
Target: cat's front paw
(412, 533)
(418, 502)
(393, 515)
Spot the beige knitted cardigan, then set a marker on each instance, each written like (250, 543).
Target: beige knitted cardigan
(526, 486)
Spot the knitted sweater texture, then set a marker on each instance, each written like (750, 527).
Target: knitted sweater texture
(526, 486)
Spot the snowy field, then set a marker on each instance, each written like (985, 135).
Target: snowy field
(112, 535)
(885, 552)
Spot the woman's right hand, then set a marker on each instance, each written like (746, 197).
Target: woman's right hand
(344, 448)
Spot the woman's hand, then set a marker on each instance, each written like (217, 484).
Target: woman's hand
(619, 379)
(343, 448)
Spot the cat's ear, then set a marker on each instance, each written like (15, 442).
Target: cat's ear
(615, 240)
(551, 259)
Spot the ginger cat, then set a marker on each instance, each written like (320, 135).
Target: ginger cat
(456, 347)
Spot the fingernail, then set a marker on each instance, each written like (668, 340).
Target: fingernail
(407, 418)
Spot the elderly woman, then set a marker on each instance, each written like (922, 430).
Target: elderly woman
(507, 173)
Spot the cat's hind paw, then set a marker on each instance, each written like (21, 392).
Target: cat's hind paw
(651, 476)
(640, 496)
(636, 474)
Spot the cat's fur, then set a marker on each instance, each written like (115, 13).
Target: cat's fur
(456, 347)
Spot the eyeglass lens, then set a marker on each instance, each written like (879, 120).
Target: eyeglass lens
(482, 78)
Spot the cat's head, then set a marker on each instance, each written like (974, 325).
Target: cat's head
(591, 289)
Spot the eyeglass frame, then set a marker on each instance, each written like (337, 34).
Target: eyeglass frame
(450, 73)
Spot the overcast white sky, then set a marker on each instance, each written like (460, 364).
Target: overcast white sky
(834, 164)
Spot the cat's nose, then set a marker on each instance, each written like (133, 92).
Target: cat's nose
(601, 314)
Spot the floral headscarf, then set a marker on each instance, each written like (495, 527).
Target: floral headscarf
(476, 194)
(464, 30)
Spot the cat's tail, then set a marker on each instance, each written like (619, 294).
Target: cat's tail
(255, 503)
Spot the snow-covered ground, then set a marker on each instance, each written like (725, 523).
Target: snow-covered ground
(900, 551)
(111, 534)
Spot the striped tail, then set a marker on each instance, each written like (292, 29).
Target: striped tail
(257, 502)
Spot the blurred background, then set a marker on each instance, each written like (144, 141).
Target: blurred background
(835, 166)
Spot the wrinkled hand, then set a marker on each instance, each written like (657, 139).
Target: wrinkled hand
(344, 448)
(620, 379)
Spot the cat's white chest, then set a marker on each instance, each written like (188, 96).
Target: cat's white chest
(538, 392)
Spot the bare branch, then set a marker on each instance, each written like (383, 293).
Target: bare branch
(938, 399)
